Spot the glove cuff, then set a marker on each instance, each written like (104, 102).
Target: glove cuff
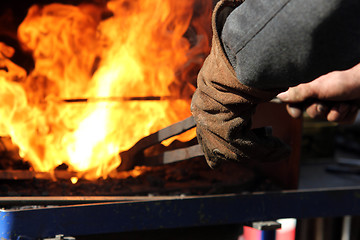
(222, 107)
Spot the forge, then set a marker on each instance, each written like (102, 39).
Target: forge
(96, 109)
(96, 134)
(96, 101)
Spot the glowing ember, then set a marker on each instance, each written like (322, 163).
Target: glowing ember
(139, 49)
(74, 180)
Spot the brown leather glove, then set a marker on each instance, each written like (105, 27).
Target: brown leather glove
(223, 107)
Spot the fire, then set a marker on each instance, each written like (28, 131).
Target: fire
(123, 48)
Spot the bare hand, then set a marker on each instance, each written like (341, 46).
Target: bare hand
(334, 96)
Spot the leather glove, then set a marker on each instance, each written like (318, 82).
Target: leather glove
(222, 107)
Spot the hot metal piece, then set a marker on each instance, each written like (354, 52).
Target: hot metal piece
(130, 157)
(173, 156)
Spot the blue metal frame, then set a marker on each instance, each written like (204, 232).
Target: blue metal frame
(88, 219)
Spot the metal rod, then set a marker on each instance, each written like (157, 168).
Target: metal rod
(115, 99)
(137, 98)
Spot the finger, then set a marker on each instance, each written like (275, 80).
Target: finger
(294, 110)
(298, 94)
(338, 112)
(318, 111)
(343, 113)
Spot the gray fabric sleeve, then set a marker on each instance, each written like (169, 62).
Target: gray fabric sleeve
(275, 44)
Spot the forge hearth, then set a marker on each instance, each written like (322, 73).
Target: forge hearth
(188, 177)
(192, 178)
(72, 117)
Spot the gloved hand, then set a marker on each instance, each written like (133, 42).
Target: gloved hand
(222, 107)
(269, 45)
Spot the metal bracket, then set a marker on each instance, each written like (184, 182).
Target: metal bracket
(60, 237)
(265, 225)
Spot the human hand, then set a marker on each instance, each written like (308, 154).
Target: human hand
(334, 96)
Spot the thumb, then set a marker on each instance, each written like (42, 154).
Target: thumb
(284, 96)
(297, 94)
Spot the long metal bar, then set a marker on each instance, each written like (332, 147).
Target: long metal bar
(119, 99)
(134, 98)
(183, 212)
(173, 156)
(7, 202)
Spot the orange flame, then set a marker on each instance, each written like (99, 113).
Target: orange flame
(126, 48)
